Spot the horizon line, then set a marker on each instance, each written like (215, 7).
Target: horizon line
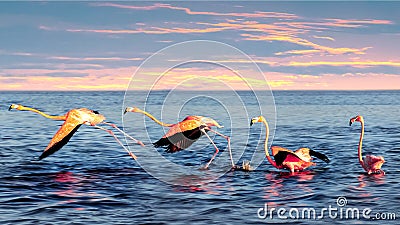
(198, 90)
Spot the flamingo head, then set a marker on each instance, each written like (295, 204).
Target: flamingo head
(132, 109)
(257, 120)
(210, 122)
(15, 106)
(91, 117)
(356, 118)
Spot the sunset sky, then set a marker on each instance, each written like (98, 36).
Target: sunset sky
(297, 45)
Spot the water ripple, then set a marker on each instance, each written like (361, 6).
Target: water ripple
(92, 180)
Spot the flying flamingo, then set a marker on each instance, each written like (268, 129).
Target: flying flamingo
(73, 120)
(285, 158)
(183, 134)
(371, 163)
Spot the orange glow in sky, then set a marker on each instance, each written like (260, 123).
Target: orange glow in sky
(296, 48)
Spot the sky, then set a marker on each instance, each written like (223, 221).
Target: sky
(312, 45)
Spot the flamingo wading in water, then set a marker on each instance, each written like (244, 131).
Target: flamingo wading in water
(371, 164)
(73, 120)
(183, 134)
(285, 158)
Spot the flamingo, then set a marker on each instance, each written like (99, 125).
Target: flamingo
(73, 120)
(371, 164)
(285, 158)
(183, 134)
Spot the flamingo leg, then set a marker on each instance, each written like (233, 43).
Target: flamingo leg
(216, 148)
(229, 144)
(124, 133)
(119, 142)
(378, 171)
(291, 168)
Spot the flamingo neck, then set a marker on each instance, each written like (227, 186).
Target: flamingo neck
(360, 145)
(273, 163)
(154, 119)
(24, 108)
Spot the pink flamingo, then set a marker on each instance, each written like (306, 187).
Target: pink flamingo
(183, 134)
(73, 120)
(371, 164)
(285, 158)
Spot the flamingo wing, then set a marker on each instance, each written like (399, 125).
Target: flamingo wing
(373, 162)
(285, 156)
(180, 136)
(276, 149)
(306, 153)
(63, 135)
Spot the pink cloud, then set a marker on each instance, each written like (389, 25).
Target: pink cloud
(295, 32)
(366, 21)
(71, 79)
(360, 64)
(257, 14)
(347, 81)
(304, 42)
(184, 78)
(152, 30)
(323, 37)
(95, 58)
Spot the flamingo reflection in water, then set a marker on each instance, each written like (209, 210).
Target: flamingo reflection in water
(276, 190)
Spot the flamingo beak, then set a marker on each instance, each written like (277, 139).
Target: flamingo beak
(12, 106)
(127, 109)
(351, 121)
(253, 121)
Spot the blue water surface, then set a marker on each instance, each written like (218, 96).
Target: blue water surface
(92, 180)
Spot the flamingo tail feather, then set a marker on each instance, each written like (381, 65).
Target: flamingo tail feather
(320, 156)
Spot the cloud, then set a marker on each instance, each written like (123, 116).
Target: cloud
(153, 30)
(18, 53)
(215, 79)
(345, 63)
(359, 22)
(346, 81)
(290, 32)
(165, 41)
(95, 87)
(66, 79)
(323, 37)
(94, 58)
(256, 14)
(69, 58)
(306, 43)
(305, 46)
(294, 30)
(259, 60)
(309, 62)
